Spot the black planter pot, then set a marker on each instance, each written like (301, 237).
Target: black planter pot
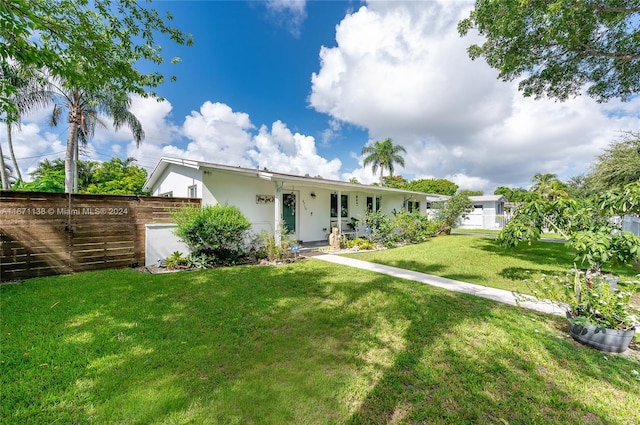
(603, 339)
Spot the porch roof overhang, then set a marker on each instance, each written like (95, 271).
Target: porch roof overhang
(288, 180)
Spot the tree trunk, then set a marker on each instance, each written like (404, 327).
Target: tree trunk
(69, 162)
(13, 155)
(381, 171)
(3, 171)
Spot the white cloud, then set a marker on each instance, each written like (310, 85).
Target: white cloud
(289, 13)
(283, 151)
(401, 70)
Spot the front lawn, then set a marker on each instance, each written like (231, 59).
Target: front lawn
(306, 343)
(483, 261)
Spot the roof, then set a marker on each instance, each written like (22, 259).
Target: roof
(488, 198)
(317, 182)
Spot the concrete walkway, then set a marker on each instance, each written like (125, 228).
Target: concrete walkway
(499, 295)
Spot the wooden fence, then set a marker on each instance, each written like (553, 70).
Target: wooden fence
(53, 233)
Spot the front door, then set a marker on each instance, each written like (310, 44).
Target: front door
(289, 211)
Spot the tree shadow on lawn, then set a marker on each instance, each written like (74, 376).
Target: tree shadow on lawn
(304, 343)
(543, 253)
(447, 374)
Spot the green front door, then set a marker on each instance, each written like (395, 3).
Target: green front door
(289, 211)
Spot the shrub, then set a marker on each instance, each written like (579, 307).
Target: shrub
(218, 232)
(588, 301)
(175, 261)
(453, 210)
(413, 227)
(267, 248)
(361, 244)
(380, 228)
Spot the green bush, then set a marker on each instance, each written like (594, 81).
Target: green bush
(266, 247)
(451, 212)
(175, 261)
(413, 227)
(218, 232)
(380, 228)
(361, 244)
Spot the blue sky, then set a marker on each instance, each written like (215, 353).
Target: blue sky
(300, 86)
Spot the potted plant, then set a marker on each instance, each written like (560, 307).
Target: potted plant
(598, 316)
(598, 312)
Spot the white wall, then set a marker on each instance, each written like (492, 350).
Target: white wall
(177, 179)
(161, 242)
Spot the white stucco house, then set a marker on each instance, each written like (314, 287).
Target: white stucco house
(488, 211)
(308, 206)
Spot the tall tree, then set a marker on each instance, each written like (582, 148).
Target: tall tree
(5, 172)
(118, 176)
(31, 94)
(561, 46)
(83, 108)
(95, 45)
(618, 165)
(434, 186)
(383, 155)
(542, 184)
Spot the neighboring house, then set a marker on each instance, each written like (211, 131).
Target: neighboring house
(308, 206)
(488, 211)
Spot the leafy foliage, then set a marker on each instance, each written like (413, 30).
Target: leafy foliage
(117, 176)
(380, 227)
(588, 225)
(176, 261)
(619, 165)
(361, 244)
(94, 46)
(436, 186)
(218, 231)
(397, 182)
(383, 155)
(561, 46)
(413, 227)
(515, 195)
(588, 301)
(471, 192)
(450, 213)
(266, 246)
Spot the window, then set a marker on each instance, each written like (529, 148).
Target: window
(429, 206)
(370, 203)
(500, 209)
(413, 205)
(166, 194)
(344, 205)
(478, 206)
(192, 191)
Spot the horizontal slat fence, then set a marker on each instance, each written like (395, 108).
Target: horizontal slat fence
(53, 233)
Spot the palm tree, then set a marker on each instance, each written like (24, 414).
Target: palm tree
(383, 155)
(542, 183)
(5, 172)
(83, 109)
(32, 94)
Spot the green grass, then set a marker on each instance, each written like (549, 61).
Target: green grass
(497, 232)
(483, 261)
(306, 343)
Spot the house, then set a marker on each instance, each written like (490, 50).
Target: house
(308, 206)
(488, 211)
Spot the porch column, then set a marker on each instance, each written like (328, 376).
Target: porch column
(340, 211)
(277, 218)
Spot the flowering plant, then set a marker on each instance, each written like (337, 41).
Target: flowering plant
(589, 301)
